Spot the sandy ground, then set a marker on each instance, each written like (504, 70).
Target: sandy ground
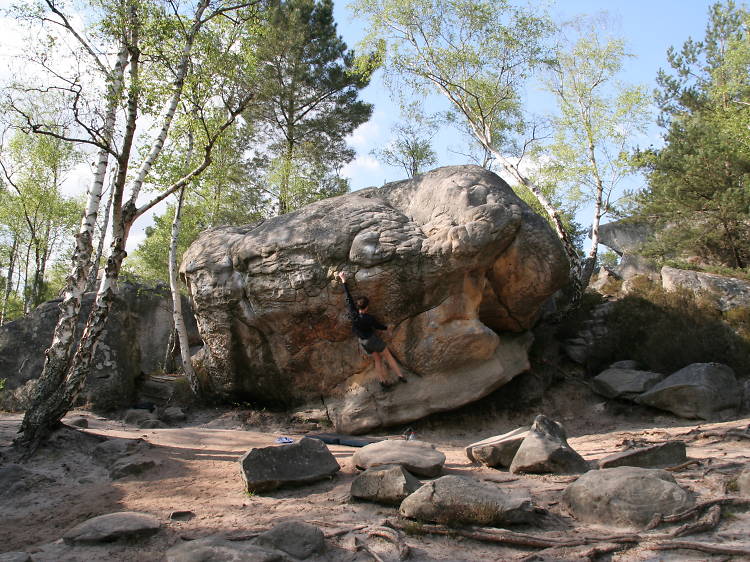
(198, 471)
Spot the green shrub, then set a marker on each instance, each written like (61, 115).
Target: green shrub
(667, 330)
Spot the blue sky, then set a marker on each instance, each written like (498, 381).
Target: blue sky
(649, 27)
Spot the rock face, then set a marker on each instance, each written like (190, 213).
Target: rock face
(624, 383)
(700, 390)
(387, 484)
(625, 496)
(624, 237)
(457, 499)
(448, 259)
(546, 449)
(729, 292)
(267, 468)
(134, 342)
(498, 450)
(418, 457)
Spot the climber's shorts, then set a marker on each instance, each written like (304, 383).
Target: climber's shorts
(373, 344)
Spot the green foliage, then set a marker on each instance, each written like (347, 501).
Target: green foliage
(698, 195)
(306, 107)
(477, 53)
(608, 259)
(37, 222)
(665, 331)
(411, 147)
(597, 118)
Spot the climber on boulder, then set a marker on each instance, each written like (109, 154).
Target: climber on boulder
(365, 327)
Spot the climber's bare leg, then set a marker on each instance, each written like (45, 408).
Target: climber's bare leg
(379, 367)
(392, 362)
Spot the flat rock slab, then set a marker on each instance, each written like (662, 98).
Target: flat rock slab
(662, 455)
(624, 383)
(267, 468)
(386, 484)
(498, 450)
(218, 549)
(545, 449)
(297, 538)
(700, 390)
(418, 457)
(112, 527)
(458, 499)
(625, 496)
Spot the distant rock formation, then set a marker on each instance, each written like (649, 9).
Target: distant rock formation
(134, 342)
(452, 260)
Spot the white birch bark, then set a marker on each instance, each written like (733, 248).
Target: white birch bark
(171, 106)
(57, 356)
(179, 320)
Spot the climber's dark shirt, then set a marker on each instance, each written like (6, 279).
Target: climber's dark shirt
(363, 325)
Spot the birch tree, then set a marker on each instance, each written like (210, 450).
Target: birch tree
(156, 43)
(598, 119)
(478, 54)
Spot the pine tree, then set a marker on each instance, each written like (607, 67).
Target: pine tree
(307, 105)
(699, 183)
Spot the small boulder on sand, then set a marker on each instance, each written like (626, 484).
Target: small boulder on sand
(458, 499)
(387, 484)
(625, 496)
(418, 457)
(498, 450)
(268, 468)
(546, 449)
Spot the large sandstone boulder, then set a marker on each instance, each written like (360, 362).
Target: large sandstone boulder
(625, 496)
(134, 342)
(624, 237)
(452, 260)
(700, 390)
(728, 292)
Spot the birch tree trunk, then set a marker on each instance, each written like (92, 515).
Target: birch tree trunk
(94, 272)
(9, 279)
(36, 423)
(179, 320)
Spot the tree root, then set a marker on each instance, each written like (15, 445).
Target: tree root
(394, 536)
(683, 465)
(701, 546)
(589, 553)
(708, 522)
(340, 532)
(687, 514)
(360, 545)
(491, 534)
